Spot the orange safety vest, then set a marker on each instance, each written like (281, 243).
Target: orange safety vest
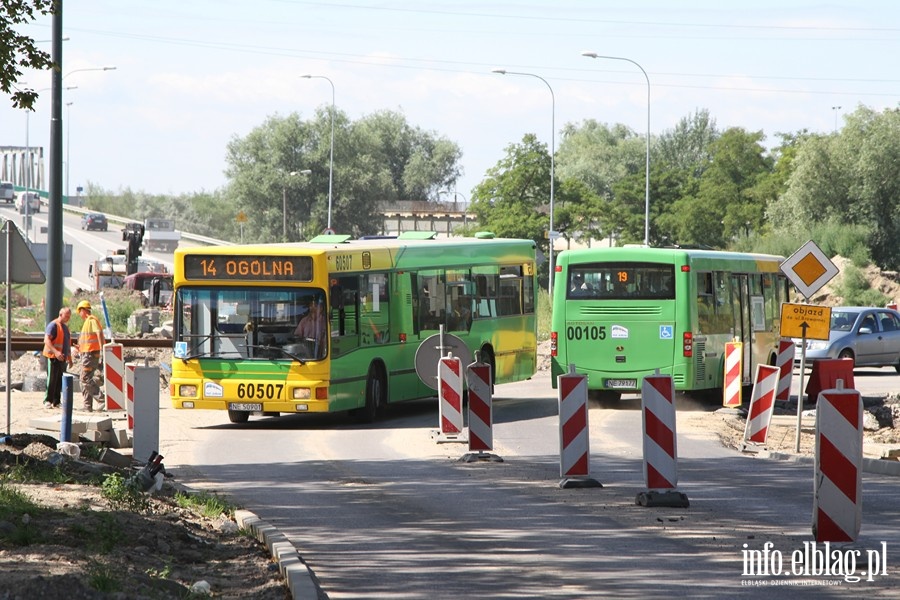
(89, 341)
(59, 341)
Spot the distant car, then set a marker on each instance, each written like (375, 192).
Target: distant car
(868, 335)
(7, 192)
(94, 221)
(29, 202)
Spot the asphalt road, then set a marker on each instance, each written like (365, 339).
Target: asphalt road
(384, 511)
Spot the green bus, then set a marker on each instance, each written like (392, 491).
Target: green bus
(334, 324)
(619, 314)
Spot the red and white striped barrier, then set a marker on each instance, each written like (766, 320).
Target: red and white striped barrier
(450, 397)
(785, 364)
(660, 444)
(574, 437)
(481, 415)
(478, 380)
(129, 394)
(734, 367)
(113, 376)
(837, 503)
(762, 404)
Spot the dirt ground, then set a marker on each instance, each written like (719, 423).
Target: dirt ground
(75, 544)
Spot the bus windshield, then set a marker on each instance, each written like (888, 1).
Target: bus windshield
(251, 322)
(621, 280)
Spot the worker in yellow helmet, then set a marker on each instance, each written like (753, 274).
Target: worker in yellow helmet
(90, 343)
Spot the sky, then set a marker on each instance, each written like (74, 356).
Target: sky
(191, 76)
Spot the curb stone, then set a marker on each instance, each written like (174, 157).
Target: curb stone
(296, 574)
(870, 465)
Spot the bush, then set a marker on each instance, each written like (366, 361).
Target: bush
(854, 288)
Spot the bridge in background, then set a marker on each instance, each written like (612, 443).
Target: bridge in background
(23, 166)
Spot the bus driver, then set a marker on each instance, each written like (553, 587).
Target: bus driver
(311, 328)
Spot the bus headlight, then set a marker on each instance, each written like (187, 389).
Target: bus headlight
(301, 393)
(187, 390)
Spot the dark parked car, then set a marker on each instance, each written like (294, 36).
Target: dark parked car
(868, 335)
(94, 221)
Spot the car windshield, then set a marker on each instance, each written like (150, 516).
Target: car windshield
(842, 320)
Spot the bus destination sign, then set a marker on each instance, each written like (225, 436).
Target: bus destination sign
(248, 268)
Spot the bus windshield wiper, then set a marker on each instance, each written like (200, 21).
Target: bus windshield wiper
(290, 355)
(207, 355)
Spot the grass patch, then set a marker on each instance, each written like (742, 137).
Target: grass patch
(28, 470)
(206, 504)
(124, 494)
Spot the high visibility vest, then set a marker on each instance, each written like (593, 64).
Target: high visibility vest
(89, 338)
(59, 341)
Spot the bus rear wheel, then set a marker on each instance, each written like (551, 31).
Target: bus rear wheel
(238, 416)
(376, 391)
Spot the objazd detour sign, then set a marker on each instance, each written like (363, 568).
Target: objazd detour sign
(805, 321)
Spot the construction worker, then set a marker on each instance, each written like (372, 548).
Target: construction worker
(57, 349)
(90, 343)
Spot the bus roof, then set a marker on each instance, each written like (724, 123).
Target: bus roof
(764, 262)
(386, 253)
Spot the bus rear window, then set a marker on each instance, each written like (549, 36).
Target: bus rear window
(618, 281)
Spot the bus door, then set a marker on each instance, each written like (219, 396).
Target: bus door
(740, 302)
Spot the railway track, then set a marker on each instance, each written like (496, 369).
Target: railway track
(24, 343)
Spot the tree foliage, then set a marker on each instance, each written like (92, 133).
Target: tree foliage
(378, 159)
(19, 51)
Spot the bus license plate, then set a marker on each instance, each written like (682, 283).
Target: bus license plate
(621, 384)
(248, 406)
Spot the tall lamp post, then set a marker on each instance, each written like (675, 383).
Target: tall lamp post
(55, 247)
(835, 109)
(552, 234)
(284, 203)
(331, 154)
(465, 203)
(647, 166)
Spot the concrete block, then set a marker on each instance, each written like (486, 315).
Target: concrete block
(119, 439)
(111, 457)
(95, 435)
(98, 423)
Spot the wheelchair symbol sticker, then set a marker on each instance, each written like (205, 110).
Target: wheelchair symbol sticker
(666, 332)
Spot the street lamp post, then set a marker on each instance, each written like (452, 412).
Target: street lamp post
(284, 203)
(465, 204)
(55, 245)
(835, 109)
(552, 234)
(647, 166)
(331, 154)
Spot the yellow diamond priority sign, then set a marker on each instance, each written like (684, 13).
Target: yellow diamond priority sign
(809, 269)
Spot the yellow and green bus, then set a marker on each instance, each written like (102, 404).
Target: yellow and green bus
(239, 344)
(619, 314)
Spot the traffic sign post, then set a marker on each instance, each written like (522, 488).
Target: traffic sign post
(808, 269)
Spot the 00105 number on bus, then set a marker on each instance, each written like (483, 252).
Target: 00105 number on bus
(268, 390)
(586, 332)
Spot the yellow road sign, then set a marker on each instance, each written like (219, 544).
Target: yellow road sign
(805, 320)
(241, 217)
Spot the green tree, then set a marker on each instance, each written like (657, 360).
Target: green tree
(18, 51)
(688, 147)
(378, 159)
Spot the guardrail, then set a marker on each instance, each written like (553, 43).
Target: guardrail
(200, 239)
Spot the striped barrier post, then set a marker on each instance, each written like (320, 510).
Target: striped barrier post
(762, 403)
(785, 364)
(837, 494)
(574, 436)
(734, 368)
(481, 416)
(129, 394)
(114, 376)
(450, 399)
(660, 445)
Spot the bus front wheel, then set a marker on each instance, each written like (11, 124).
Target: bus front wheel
(376, 390)
(238, 416)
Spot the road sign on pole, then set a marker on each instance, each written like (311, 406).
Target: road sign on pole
(809, 269)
